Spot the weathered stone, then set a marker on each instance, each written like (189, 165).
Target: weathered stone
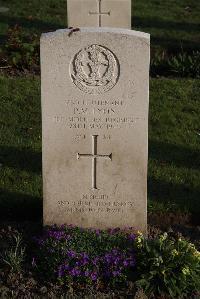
(99, 13)
(95, 93)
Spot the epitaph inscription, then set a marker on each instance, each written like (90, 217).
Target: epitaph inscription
(94, 70)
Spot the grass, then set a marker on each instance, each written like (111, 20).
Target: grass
(173, 24)
(174, 159)
(20, 148)
(174, 148)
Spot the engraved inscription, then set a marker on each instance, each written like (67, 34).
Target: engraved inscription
(95, 103)
(94, 157)
(94, 70)
(97, 114)
(100, 123)
(85, 205)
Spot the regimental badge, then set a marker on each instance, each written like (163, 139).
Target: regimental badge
(94, 70)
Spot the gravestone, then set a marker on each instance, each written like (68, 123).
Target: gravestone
(95, 93)
(99, 13)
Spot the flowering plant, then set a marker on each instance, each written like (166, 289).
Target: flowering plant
(167, 265)
(78, 256)
(83, 257)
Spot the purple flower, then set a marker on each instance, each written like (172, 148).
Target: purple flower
(97, 231)
(85, 261)
(79, 266)
(66, 267)
(95, 261)
(93, 276)
(113, 231)
(86, 273)
(58, 235)
(117, 260)
(75, 272)
(131, 237)
(71, 253)
(116, 273)
(60, 271)
(84, 255)
(126, 263)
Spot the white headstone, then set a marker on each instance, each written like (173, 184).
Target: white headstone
(99, 13)
(95, 95)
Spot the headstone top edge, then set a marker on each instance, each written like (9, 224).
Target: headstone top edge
(127, 32)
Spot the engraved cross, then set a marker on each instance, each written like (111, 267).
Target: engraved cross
(94, 157)
(99, 12)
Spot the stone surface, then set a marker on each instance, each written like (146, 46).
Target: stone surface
(95, 93)
(99, 13)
